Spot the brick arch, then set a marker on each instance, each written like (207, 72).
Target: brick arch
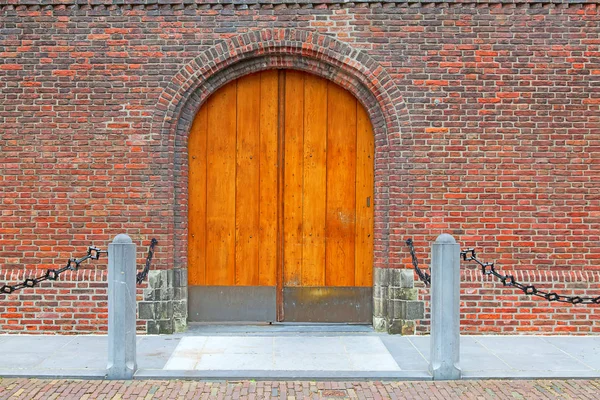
(278, 49)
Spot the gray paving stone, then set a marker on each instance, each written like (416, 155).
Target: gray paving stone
(294, 375)
(475, 357)
(342, 353)
(421, 343)
(363, 344)
(405, 354)
(313, 362)
(238, 345)
(544, 362)
(328, 354)
(182, 362)
(308, 345)
(79, 361)
(87, 343)
(372, 362)
(516, 344)
(21, 360)
(584, 349)
(531, 354)
(33, 343)
(154, 351)
(488, 353)
(520, 375)
(224, 362)
(44, 373)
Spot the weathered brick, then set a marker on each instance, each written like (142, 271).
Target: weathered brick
(486, 129)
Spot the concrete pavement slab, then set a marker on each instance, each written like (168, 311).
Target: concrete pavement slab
(312, 362)
(585, 349)
(154, 351)
(288, 346)
(308, 355)
(28, 352)
(21, 360)
(314, 353)
(405, 353)
(363, 344)
(236, 362)
(376, 362)
(237, 345)
(41, 344)
(74, 361)
(529, 354)
(473, 356)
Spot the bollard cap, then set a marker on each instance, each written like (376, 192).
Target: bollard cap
(122, 238)
(445, 238)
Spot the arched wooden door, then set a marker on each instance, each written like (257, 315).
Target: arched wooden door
(281, 203)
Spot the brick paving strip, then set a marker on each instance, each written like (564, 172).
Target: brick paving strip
(291, 390)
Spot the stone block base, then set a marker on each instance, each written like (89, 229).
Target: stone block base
(164, 307)
(395, 304)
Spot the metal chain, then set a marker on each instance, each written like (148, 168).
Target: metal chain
(93, 253)
(144, 273)
(507, 280)
(530, 290)
(424, 276)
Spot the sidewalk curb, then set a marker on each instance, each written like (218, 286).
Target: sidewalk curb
(282, 375)
(159, 374)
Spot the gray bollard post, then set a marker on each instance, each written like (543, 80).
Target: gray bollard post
(445, 309)
(121, 308)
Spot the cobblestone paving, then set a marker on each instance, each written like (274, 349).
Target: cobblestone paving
(291, 390)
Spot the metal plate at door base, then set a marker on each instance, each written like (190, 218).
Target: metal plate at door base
(328, 304)
(232, 304)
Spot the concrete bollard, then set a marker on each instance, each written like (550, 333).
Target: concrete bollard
(445, 309)
(121, 308)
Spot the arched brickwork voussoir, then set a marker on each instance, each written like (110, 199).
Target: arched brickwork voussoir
(256, 51)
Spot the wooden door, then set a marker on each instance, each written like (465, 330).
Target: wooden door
(280, 202)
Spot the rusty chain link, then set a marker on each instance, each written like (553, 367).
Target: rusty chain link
(424, 276)
(139, 278)
(507, 280)
(93, 253)
(488, 268)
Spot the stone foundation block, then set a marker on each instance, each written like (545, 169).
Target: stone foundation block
(396, 307)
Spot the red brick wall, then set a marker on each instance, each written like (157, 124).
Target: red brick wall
(76, 303)
(487, 307)
(499, 142)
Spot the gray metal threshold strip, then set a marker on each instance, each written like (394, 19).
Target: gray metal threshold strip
(302, 329)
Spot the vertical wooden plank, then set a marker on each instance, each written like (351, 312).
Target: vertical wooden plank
(292, 196)
(197, 199)
(280, 190)
(364, 198)
(315, 184)
(220, 204)
(267, 248)
(247, 181)
(341, 187)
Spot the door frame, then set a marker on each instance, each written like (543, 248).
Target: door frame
(273, 48)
